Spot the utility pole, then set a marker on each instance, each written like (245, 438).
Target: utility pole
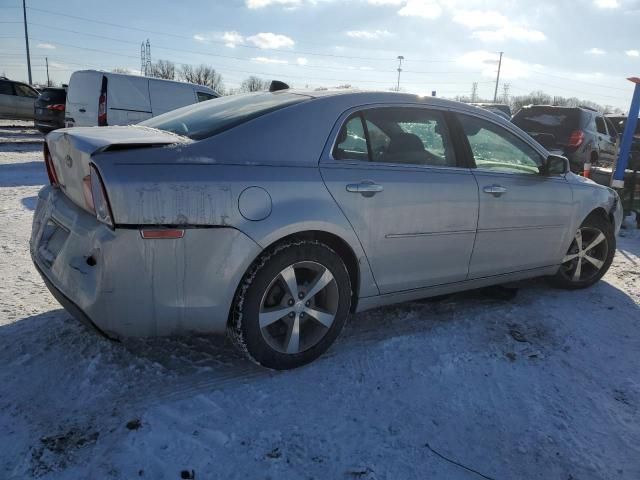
(495, 95)
(26, 39)
(46, 59)
(400, 59)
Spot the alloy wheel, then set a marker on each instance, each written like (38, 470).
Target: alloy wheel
(586, 256)
(298, 307)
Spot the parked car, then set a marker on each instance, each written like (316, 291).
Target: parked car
(497, 108)
(49, 109)
(101, 98)
(581, 134)
(272, 216)
(16, 100)
(619, 122)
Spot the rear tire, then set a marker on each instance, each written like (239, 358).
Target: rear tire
(291, 305)
(589, 256)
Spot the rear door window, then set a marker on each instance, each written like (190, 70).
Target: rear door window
(6, 88)
(25, 91)
(203, 96)
(415, 136)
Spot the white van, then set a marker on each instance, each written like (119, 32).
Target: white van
(104, 98)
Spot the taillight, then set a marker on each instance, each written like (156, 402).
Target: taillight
(162, 233)
(99, 200)
(58, 107)
(102, 104)
(48, 162)
(576, 138)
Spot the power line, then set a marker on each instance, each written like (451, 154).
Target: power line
(241, 45)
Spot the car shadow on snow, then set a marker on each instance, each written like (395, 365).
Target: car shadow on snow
(185, 366)
(30, 202)
(22, 174)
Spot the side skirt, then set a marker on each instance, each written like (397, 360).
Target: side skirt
(367, 303)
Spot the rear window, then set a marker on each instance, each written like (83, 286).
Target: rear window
(206, 119)
(547, 120)
(53, 95)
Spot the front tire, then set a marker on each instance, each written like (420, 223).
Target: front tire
(291, 305)
(589, 256)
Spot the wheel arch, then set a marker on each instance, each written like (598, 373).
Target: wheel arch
(600, 212)
(333, 241)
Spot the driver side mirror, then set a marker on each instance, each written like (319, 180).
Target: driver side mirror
(555, 165)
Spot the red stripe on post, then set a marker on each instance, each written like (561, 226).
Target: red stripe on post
(161, 234)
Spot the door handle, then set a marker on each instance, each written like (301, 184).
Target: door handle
(366, 189)
(495, 190)
(82, 110)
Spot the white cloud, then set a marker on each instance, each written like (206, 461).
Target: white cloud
(492, 26)
(270, 40)
(254, 4)
(232, 38)
(606, 3)
(302, 61)
(385, 2)
(595, 51)
(633, 53)
(510, 32)
(480, 18)
(429, 9)
(487, 63)
(269, 60)
(46, 46)
(368, 34)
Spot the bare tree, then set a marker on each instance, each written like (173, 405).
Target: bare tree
(203, 75)
(163, 69)
(123, 70)
(254, 84)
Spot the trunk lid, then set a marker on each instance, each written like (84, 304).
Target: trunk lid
(71, 151)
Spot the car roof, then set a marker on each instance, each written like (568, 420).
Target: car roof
(356, 98)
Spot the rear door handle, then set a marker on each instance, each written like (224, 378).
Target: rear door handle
(495, 190)
(366, 189)
(82, 110)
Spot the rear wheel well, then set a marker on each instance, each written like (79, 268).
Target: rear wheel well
(338, 245)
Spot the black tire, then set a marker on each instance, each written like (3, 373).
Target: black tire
(244, 325)
(594, 224)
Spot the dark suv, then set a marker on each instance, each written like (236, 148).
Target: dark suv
(579, 133)
(49, 109)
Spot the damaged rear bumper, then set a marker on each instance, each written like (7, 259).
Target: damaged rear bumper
(127, 286)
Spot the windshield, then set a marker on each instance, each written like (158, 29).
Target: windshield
(209, 118)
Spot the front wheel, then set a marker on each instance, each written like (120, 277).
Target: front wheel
(291, 305)
(589, 257)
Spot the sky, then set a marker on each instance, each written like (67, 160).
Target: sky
(581, 48)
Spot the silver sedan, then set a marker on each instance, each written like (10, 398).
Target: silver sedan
(273, 216)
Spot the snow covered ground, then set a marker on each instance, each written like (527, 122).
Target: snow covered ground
(544, 386)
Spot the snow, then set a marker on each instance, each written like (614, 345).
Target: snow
(543, 386)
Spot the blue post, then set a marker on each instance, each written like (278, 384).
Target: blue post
(627, 137)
